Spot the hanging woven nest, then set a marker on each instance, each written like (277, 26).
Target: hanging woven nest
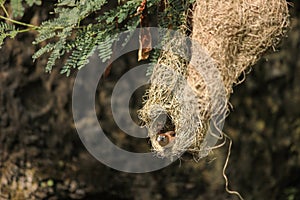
(187, 102)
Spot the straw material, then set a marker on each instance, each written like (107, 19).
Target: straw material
(236, 33)
(191, 98)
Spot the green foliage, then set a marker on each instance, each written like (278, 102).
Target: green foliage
(7, 30)
(174, 14)
(32, 2)
(18, 6)
(82, 48)
(80, 41)
(80, 27)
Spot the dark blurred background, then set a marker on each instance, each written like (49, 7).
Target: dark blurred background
(42, 157)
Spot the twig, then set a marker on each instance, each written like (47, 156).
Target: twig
(4, 9)
(18, 22)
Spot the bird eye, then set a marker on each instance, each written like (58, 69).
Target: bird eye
(162, 140)
(166, 139)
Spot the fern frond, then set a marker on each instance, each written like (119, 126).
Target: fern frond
(4, 27)
(45, 49)
(2, 37)
(69, 3)
(32, 2)
(17, 8)
(67, 17)
(106, 48)
(84, 46)
(67, 34)
(91, 38)
(121, 13)
(90, 7)
(7, 30)
(44, 34)
(59, 48)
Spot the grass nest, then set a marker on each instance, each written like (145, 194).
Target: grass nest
(187, 102)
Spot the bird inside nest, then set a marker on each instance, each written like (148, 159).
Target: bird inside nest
(166, 139)
(165, 131)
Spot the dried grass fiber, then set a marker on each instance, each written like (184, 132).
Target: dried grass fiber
(189, 97)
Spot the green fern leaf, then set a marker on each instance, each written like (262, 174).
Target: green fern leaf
(2, 37)
(59, 48)
(44, 34)
(121, 13)
(106, 48)
(70, 3)
(17, 8)
(46, 49)
(32, 2)
(92, 6)
(82, 48)
(7, 30)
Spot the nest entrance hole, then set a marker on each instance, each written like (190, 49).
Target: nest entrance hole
(164, 130)
(163, 123)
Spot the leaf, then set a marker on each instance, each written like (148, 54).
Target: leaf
(2, 37)
(70, 3)
(47, 48)
(145, 42)
(17, 8)
(44, 34)
(145, 39)
(110, 19)
(59, 48)
(83, 47)
(7, 30)
(31, 2)
(106, 48)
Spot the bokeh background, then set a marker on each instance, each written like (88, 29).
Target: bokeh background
(42, 157)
